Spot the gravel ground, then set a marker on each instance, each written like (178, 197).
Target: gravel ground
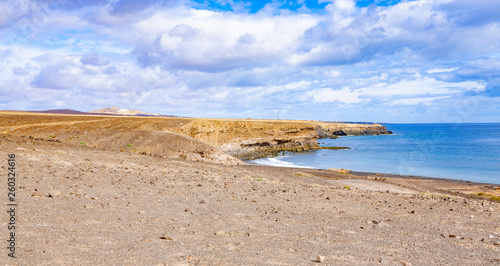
(84, 206)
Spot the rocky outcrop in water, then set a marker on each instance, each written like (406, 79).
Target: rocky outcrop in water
(252, 139)
(334, 130)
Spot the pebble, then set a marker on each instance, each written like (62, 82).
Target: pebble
(320, 258)
(168, 237)
(220, 233)
(383, 261)
(37, 194)
(89, 205)
(55, 193)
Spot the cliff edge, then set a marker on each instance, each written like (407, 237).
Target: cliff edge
(224, 141)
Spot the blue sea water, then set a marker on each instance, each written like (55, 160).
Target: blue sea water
(457, 151)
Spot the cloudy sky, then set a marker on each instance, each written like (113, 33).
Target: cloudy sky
(343, 60)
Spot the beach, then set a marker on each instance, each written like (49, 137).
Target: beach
(103, 202)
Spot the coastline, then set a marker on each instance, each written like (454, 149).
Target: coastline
(209, 213)
(456, 187)
(195, 205)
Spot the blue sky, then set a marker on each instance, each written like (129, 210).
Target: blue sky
(388, 61)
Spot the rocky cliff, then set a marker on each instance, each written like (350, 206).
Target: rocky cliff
(211, 140)
(333, 130)
(251, 139)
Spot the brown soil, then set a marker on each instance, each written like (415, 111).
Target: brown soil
(110, 207)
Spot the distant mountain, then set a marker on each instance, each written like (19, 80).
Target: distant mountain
(122, 111)
(60, 111)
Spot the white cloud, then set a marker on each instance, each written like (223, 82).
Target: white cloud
(345, 95)
(441, 70)
(409, 90)
(417, 101)
(166, 56)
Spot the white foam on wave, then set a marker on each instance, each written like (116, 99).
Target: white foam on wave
(275, 161)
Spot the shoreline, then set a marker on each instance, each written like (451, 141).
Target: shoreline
(365, 173)
(78, 200)
(456, 187)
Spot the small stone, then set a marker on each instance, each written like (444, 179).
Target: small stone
(168, 237)
(453, 236)
(89, 205)
(472, 216)
(406, 263)
(37, 194)
(383, 261)
(220, 233)
(21, 149)
(492, 236)
(320, 258)
(202, 202)
(55, 193)
(187, 210)
(142, 212)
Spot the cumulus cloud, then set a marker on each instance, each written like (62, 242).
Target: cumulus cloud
(94, 59)
(186, 56)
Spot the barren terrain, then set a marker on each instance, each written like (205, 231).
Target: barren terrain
(105, 203)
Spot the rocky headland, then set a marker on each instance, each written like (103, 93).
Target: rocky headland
(224, 141)
(106, 190)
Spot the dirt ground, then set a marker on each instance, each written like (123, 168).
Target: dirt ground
(87, 206)
(102, 190)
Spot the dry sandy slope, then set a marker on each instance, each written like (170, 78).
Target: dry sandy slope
(119, 208)
(192, 138)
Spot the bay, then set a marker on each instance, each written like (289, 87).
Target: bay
(457, 151)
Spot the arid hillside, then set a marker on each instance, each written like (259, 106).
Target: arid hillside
(192, 138)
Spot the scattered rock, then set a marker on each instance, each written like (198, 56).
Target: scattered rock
(383, 261)
(320, 258)
(202, 202)
(220, 233)
(55, 193)
(37, 194)
(168, 237)
(21, 149)
(89, 205)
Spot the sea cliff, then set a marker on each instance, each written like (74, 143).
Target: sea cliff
(225, 141)
(252, 139)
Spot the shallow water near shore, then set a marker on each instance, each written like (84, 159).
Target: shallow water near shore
(457, 151)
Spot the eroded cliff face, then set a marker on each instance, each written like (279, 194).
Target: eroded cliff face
(210, 140)
(333, 130)
(252, 139)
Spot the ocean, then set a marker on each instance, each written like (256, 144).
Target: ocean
(456, 151)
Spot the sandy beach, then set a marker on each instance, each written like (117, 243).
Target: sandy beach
(91, 205)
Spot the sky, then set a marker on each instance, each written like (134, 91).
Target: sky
(341, 60)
